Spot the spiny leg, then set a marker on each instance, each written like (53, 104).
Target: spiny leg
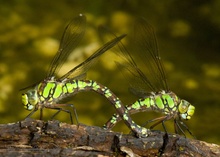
(159, 119)
(177, 124)
(163, 119)
(186, 127)
(58, 107)
(178, 127)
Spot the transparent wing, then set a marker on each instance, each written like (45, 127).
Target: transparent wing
(147, 53)
(72, 35)
(81, 69)
(139, 84)
(142, 65)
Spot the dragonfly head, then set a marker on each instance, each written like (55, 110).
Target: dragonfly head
(186, 110)
(29, 99)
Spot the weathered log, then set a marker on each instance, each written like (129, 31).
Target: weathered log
(52, 138)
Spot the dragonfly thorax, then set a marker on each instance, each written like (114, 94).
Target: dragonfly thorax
(186, 110)
(30, 99)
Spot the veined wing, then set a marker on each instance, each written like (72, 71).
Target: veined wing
(147, 72)
(72, 35)
(82, 68)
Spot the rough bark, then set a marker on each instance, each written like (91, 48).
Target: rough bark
(52, 138)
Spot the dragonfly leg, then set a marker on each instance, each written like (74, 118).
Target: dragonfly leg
(159, 119)
(164, 127)
(186, 127)
(30, 114)
(41, 113)
(178, 127)
(59, 108)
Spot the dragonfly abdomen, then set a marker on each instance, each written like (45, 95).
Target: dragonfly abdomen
(54, 91)
(162, 102)
(166, 103)
(86, 85)
(76, 86)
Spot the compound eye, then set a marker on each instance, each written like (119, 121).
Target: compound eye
(183, 106)
(29, 100)
(24, 99)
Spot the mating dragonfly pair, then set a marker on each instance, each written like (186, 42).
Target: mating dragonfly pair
(151, 87)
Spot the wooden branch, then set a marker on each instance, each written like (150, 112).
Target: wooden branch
(52, 138)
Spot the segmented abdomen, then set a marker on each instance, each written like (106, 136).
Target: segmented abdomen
(166, 103)
(52, 91)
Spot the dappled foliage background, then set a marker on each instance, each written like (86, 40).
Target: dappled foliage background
(188, 35)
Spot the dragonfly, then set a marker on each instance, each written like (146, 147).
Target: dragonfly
(148, 81)
(52, 92)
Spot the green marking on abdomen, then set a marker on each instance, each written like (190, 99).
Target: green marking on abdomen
(117, 104)
(167, 98)
(49, 86)
(159, 102)
(137, 105)
(147, 102)
(64, 88)
(95, 85)
(82, 84)
(125, 117)
(108, 93)
(58, 91)
(71, 86)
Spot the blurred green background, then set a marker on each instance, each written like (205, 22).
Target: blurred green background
(188, 35)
